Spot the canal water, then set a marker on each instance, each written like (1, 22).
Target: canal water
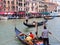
(8, 37)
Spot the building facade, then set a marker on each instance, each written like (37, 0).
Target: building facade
(1, 5)
(31, 6)
(46, 0)
(10, 5)
(27, 5)
(21, 5)
(39, 6)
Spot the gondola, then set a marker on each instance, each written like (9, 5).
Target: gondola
(23, 40)
(48, 18)
(31, 25)
(19, 37)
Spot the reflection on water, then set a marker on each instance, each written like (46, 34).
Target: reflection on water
(8, 37)
(26, 30)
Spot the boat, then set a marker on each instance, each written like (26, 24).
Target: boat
(19, 37)
(13, 17)
(23, 40)
(48, 18)
(3, 17)
(31, 25)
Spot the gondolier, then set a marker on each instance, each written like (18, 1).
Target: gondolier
(33, 24)
(26, 17)
(45, 35)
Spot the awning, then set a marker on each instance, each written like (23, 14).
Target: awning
(11, 13)
(21, 12)
(45, 13)
(6, 13)
(0, 0)
(0, 6)
(2, 12)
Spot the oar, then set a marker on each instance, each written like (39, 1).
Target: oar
(36, 26)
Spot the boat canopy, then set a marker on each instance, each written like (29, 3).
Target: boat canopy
(45, 13)
(6, 13)
(2, 12)
(21, 12)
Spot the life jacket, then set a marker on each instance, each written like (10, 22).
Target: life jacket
(31, 35)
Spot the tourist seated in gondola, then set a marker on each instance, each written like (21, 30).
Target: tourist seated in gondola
(22, 36)
(34, 22)
(31, 35)
(29, 40)
(39, 41)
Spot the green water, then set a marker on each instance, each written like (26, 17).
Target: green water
(8, 37)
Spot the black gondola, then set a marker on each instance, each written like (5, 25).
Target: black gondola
(31, 25)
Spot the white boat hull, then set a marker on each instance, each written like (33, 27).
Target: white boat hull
(3, 17)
